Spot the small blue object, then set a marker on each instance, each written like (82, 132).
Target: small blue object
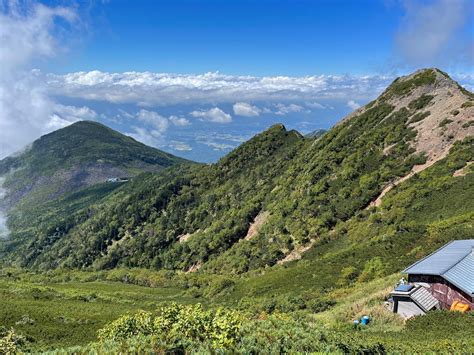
(365, 320)
(356, 322)
(403, 288)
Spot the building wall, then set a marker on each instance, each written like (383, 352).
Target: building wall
(445, 292)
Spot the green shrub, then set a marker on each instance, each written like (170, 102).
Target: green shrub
(128, 326)
(419, 116)
(420, 102)
(176, 324)
(445, 122)
(348, 275)
(467, 104)
(468, 124)
(372, 269)
(401, 88)
(219, 286)
(10, 342)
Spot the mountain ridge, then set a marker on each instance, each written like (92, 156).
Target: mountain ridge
(197, 219)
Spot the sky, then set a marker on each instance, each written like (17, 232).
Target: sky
(198, 78)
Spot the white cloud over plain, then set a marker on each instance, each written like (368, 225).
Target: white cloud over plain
(214, 114)
(246, 109)
(63, 115)
(4, 231)
(26, 111)
(162, 89)
(180, 146)
(282, 109)
(151, 137)
(315, 105)
(429, 33)
(353, 105)
(179, 121)
(159, 123)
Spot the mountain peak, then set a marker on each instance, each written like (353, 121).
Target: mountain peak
(433, 107)
(79, 155)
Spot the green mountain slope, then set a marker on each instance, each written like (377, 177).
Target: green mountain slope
(210, 201)
(347, 203)
(82, 154)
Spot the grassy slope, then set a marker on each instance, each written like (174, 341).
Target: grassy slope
(57, 314)
(64, 314)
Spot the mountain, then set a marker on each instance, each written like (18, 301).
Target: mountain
(315, 134)
(390, 183)
(80, 155)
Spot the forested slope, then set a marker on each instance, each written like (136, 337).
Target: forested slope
(365, 198)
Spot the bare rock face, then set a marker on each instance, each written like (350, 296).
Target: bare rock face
(258, 222)
(442, 114)
(447, 119)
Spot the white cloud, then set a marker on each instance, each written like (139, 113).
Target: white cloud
(179, 121)
(283, 109)
(214, 114)
(353, 105)
(56, 122)
(74, 113)
(180, 146)
(4, 231)
(218, 146)
(428, 34)
(164, 89)
(152, 137)
(218, 136)
(245, 109)
(152, 118)
(26, 111)
(161, 89)
(315, 105)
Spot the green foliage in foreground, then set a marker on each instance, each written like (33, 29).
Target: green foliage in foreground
(189, 329)
(177, 324)
(10, 341)
(96, 317)
(55, 314)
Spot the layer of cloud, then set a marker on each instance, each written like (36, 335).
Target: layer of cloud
(26, 111)
(146, 88)
(428, 34)
(353, 105)
(246, 109)
(214, 114)
(163, 89)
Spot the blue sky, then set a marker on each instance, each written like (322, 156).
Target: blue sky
(197, 78)
(240, 37)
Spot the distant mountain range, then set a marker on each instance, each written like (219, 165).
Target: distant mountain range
(386, 185)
